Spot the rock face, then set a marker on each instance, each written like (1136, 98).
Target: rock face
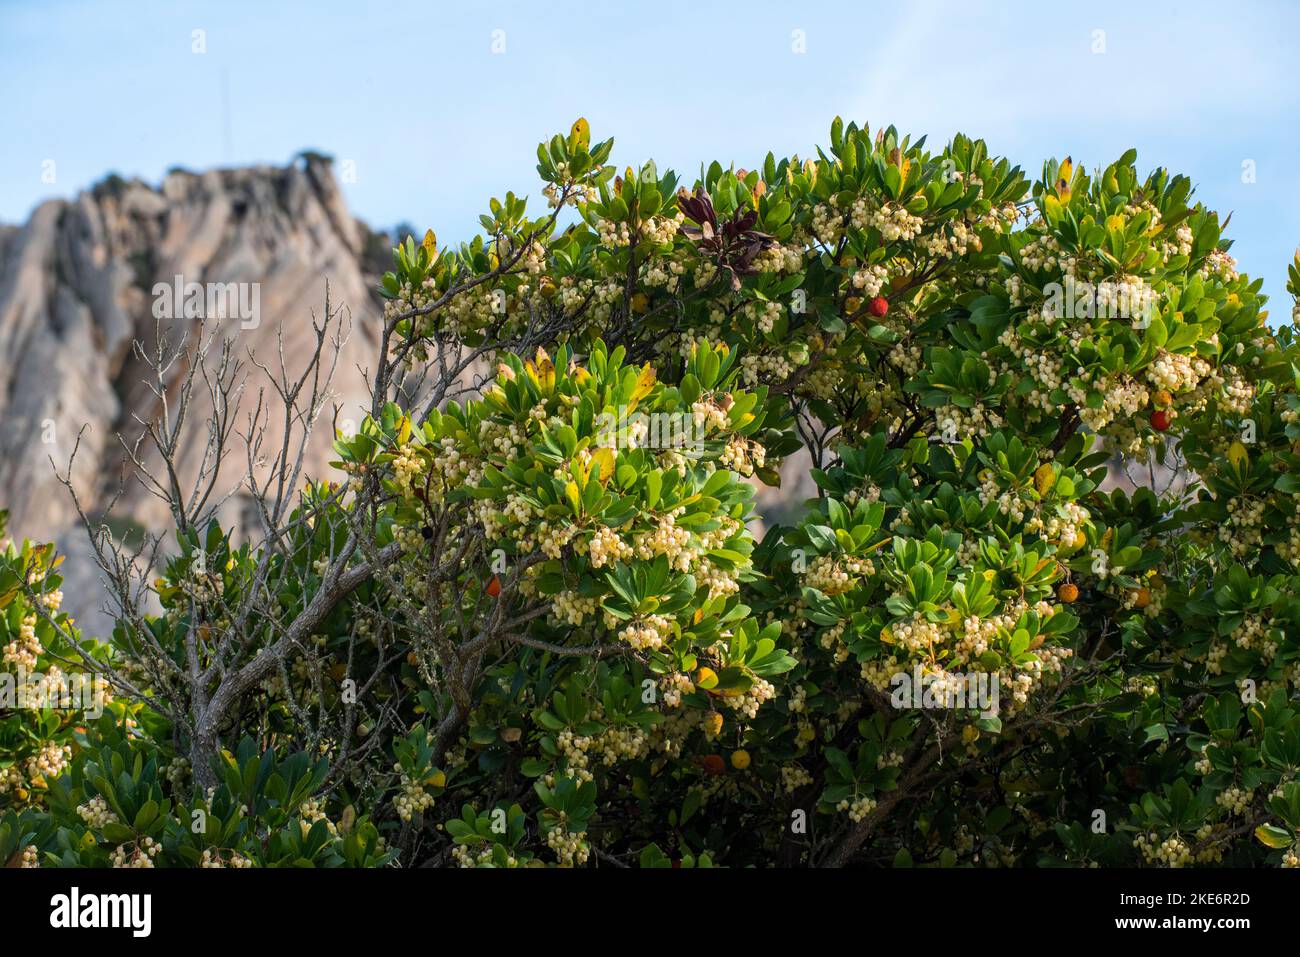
(80, 282)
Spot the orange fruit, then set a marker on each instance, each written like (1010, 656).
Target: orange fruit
(1068, 593)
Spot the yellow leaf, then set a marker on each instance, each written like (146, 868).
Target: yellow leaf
(644, 383)
(542, 372)
(430, 244)
(604, 459)
(1043, 478)
(580, 133)
(1065, 175)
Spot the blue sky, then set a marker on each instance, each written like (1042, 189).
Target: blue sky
(435, 121)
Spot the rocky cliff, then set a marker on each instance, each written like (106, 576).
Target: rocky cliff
(81, 281)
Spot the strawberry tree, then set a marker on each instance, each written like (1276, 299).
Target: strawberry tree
(1038, 610)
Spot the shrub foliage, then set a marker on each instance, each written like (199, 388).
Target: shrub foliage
(1041, 610)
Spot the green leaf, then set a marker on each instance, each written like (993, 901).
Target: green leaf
(1272, 836)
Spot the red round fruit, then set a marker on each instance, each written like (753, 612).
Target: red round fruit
(494, 587)
(879, 307)
(1160, 420)
(713, 764)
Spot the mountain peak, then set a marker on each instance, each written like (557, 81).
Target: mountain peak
(85, 277)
